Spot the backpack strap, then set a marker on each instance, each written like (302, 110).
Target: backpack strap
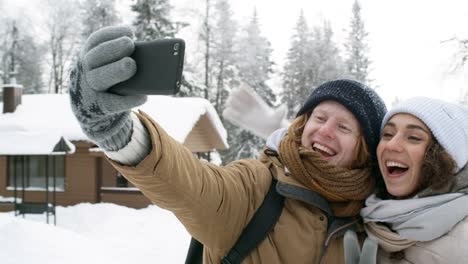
(195, 252)
(256, 231)
(258, 228)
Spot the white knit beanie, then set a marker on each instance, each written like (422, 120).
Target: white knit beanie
(448, 123)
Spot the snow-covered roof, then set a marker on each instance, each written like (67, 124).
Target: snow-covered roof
(178, 115)
(33, 143)
(45, 117)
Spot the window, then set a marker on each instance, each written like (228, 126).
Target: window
(121, 181)
(35, 171)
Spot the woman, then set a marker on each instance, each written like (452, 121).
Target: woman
(419, 212)
(323, 164)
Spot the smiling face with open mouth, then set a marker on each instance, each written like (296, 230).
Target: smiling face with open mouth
(333, 132)
(401, 153)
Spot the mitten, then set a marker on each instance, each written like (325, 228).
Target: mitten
(369, 252)
(352, 249)
(245, 108)
(103, 62)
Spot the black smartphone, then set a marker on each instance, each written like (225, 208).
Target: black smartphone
(159, 68)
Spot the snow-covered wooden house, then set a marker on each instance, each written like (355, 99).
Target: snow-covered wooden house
(40, 137)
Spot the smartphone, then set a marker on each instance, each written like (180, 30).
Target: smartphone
(159, 68)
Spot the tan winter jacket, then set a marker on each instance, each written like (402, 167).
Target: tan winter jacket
(215, 203)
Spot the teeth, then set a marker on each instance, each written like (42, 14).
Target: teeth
(396, 164)
(323, 148)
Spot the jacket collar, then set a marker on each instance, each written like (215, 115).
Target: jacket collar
(304, 195)
(337, 226)
(275, 138)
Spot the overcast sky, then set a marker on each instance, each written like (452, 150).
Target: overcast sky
(406, 38)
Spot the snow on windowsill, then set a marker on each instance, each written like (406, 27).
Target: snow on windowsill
(133, 189)
(39, 189)
(9, 199)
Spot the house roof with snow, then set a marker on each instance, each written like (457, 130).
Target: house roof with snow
(43, 119)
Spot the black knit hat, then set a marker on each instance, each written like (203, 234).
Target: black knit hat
(366, 105)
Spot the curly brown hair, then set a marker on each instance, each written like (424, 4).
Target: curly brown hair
(438, 168)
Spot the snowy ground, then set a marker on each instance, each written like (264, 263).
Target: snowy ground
(94, 233)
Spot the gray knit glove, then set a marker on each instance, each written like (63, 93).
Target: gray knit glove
(103, 62)
(352, 250)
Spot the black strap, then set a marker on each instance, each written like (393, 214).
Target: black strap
(255, 232)
(258, 228)
(195, 252)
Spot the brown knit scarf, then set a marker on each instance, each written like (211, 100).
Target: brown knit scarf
(345, 189)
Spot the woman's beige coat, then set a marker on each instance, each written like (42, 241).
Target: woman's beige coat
(215, 203)
(449, 248)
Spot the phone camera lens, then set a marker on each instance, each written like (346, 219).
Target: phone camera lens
(176, 49)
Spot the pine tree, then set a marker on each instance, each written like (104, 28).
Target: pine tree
(312, 60)
(254, 66)
(223, 54)
(98, 14)
(325, 62)
(296, 73)
(358, 62)
(153, 20)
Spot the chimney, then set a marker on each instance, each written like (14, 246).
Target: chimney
(11, 97)
(12, 93)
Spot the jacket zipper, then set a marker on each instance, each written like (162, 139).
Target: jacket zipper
(327, 241)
